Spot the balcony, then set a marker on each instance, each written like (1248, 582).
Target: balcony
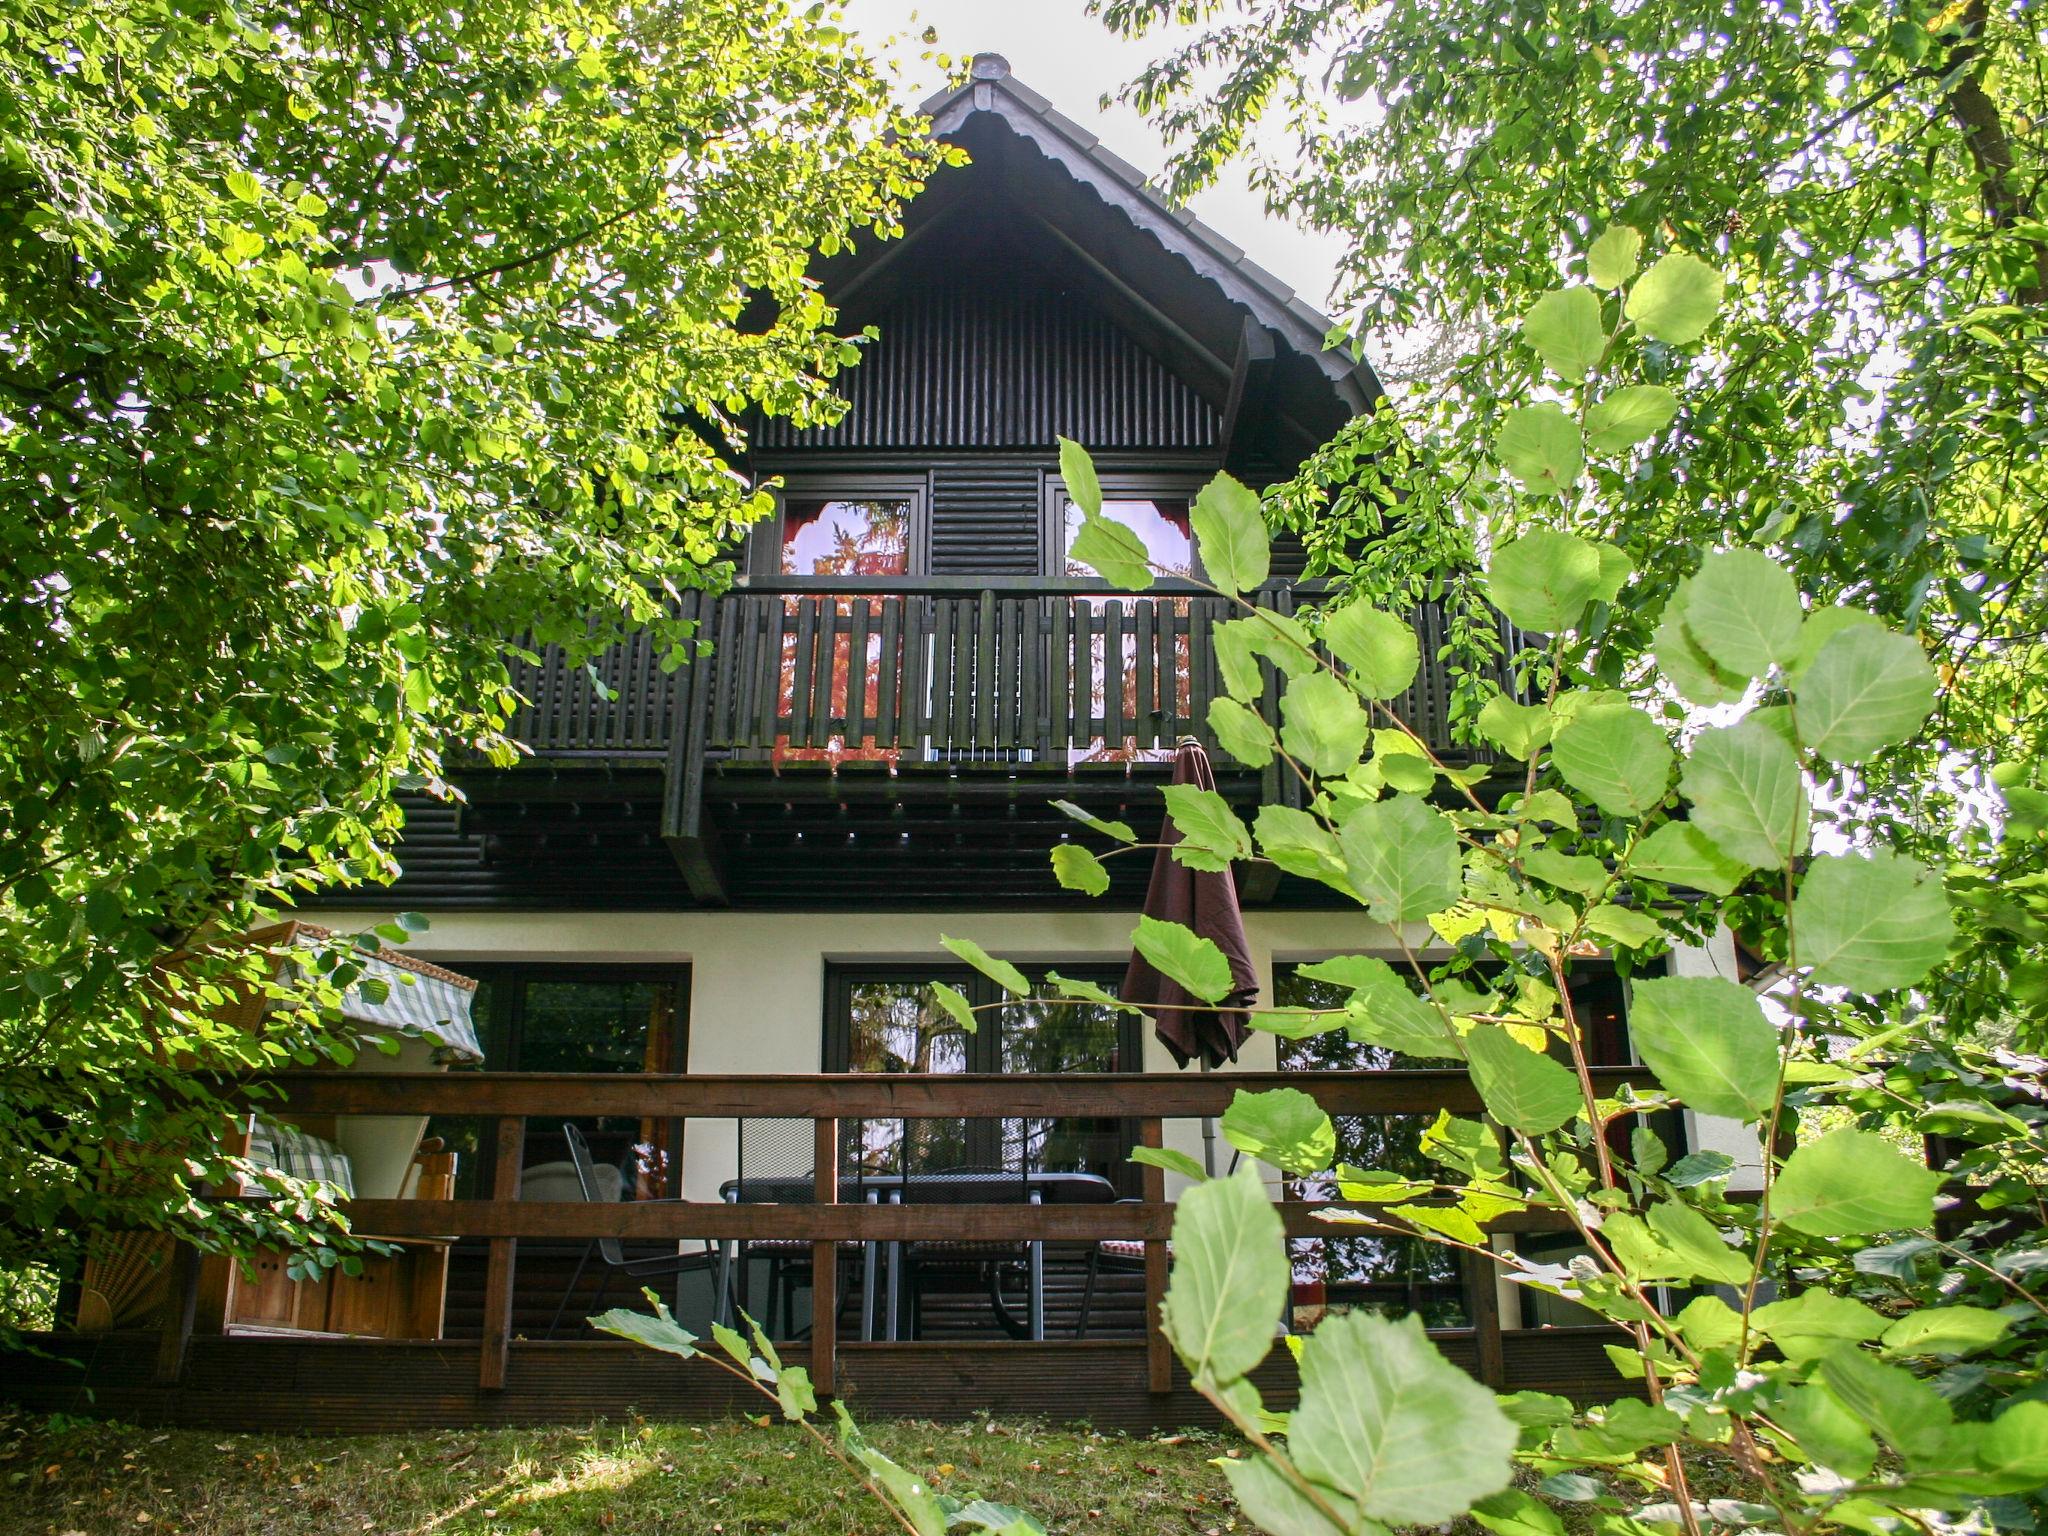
(907, 729)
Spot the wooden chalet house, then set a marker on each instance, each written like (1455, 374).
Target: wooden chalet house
(704, 917)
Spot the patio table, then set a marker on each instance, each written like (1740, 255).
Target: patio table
(952, 1188)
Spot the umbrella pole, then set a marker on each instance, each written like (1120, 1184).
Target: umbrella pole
(1208, 1137)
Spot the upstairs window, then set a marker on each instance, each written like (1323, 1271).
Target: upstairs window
(1160, 522)
(831, 537)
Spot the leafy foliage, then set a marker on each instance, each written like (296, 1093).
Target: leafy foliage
(337, 348)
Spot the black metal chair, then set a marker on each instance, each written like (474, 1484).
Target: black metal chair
(989, 1260)
(779, 1153)
(609, 1250)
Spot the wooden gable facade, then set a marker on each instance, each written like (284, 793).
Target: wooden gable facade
(904, 728)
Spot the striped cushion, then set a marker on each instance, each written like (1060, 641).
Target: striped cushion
(300, 1155)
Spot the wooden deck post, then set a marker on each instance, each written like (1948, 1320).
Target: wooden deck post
(825, 1262)
(1482, 1306)
(181, 1309)
(497, 1335)
(1158, 1353)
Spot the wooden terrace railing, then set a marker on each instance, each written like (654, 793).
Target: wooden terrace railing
(1040, 671)
(1149, 1098)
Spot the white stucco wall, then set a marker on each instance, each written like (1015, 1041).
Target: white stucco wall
(757, 979)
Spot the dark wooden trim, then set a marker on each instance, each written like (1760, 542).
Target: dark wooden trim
(497, 1339)
(1482, 1309)
(903, 1095)
(668, 1220)
(1250, 376)
(1158, 1354)
(825, 1261)
(180, 1314)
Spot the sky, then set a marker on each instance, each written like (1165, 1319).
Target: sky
(1068, 56)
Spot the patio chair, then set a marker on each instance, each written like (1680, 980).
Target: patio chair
(609, 1250)
(779, 1153)
(988, 1259)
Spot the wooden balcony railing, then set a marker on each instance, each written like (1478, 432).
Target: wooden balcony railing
(1020, 671)
(1148, 1098)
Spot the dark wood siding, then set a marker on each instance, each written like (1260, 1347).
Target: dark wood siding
(985, 517)
(982, 357)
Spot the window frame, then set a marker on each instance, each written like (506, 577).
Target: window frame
(1117, 485)
(764, 539)
(985, 1046)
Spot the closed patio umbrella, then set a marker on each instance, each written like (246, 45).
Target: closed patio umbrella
(1205, 901)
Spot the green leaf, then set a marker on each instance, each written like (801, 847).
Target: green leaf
(1685, 666)
(1619, 757)
(1385, 1011)
(1957, 1330)
(1517, 729)
(1277, 1506)
(1230, 1277)
(1907, 1413)
(1001, 972)
(909, 1492)
(1515, 1513)
(1564, 329)
(1676, 299)
(1615, 570)
(1539, 445)
(1852, 1183)
(1284, 1126)
(1180, 955)
(1170, 1160)
(659, 1331)
(1322, 725)
(1077, 869)
(1567, 871)
(1522, 1089)
(1401, 857)
(1114, 552)
(1678, 853)
(956, 1005)
(1708, 1322)
(1742, 609)
(735, 1345)
(1827, 1433)
(1865, 690)
(1381, 650)
(1708, 1041)
(1543, 580)
(1611, 260)
(1816, 1322)
(1088, 991)
(793, 1391)
(1241, 731)
(1630, 415)
(1301, 845)
(1872, 923)
(1389, 1422)
(1748, 799)
(1821, 626)
(1623, 1428)
(1119, 830)
(1230, 528)
(1625, 926)
(245, 187)
(1077, 470)
(1211, 835)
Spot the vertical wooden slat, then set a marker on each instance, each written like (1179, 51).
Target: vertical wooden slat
(1482, 1306)
(942, 661)
(825, 1258)
(830, 623)
(1145, 719)
(911, 716)
(1008, 643)
(887, 671)
(1113, 675)
(1200, 660)
(1158, 1354)
(770, 622)
(1084, 675)
(497, 1333)
(976, 675)
(724, 662)
(800, 670)
(1030, 650)
(1059, 700)
(857, 672)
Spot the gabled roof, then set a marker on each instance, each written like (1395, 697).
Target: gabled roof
(1054, 196)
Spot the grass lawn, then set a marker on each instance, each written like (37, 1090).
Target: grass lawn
(59, 1477)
